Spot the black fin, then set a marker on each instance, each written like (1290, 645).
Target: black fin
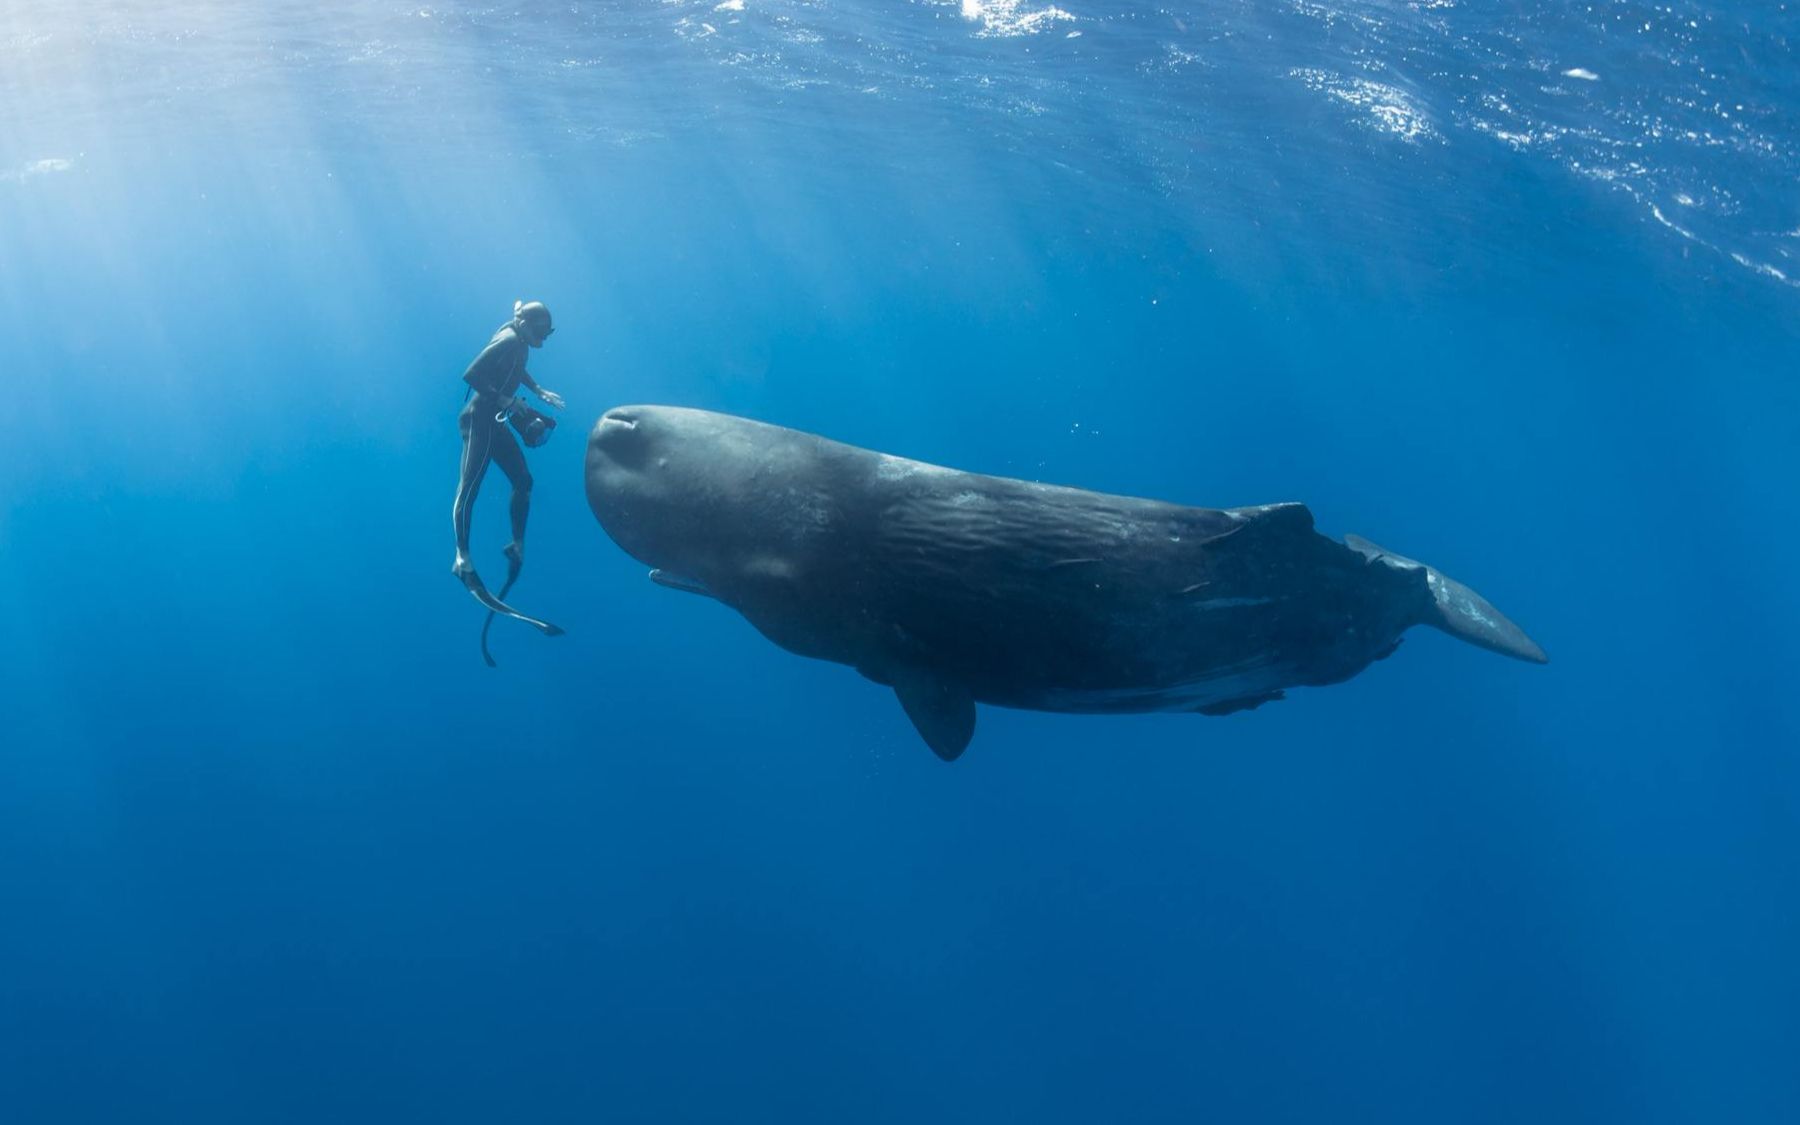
(479, 592)
(941, 711)
(513, 564)
(1247, 703)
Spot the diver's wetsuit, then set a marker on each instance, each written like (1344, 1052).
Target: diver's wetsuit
(495, 375)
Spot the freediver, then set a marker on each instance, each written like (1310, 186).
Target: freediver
(493, 402)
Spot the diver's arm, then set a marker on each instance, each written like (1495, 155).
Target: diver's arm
(550, 397)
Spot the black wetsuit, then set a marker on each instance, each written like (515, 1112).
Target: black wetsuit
(495, 375)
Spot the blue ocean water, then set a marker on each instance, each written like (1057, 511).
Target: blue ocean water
(1511, 288)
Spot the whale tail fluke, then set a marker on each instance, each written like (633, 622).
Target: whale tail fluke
(1458, 610)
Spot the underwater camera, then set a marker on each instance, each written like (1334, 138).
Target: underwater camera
(534, 428)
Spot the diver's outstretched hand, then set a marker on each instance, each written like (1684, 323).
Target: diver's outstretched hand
(551, 398)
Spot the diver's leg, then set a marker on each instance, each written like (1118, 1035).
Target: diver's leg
(511, 459)
(478, 441)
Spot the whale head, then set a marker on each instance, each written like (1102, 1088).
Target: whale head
(710, 498)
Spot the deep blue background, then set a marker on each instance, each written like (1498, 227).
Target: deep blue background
(275, 846)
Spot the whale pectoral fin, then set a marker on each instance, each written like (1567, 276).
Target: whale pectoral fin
(681, 582)
(1247, 703)
(943, 712)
